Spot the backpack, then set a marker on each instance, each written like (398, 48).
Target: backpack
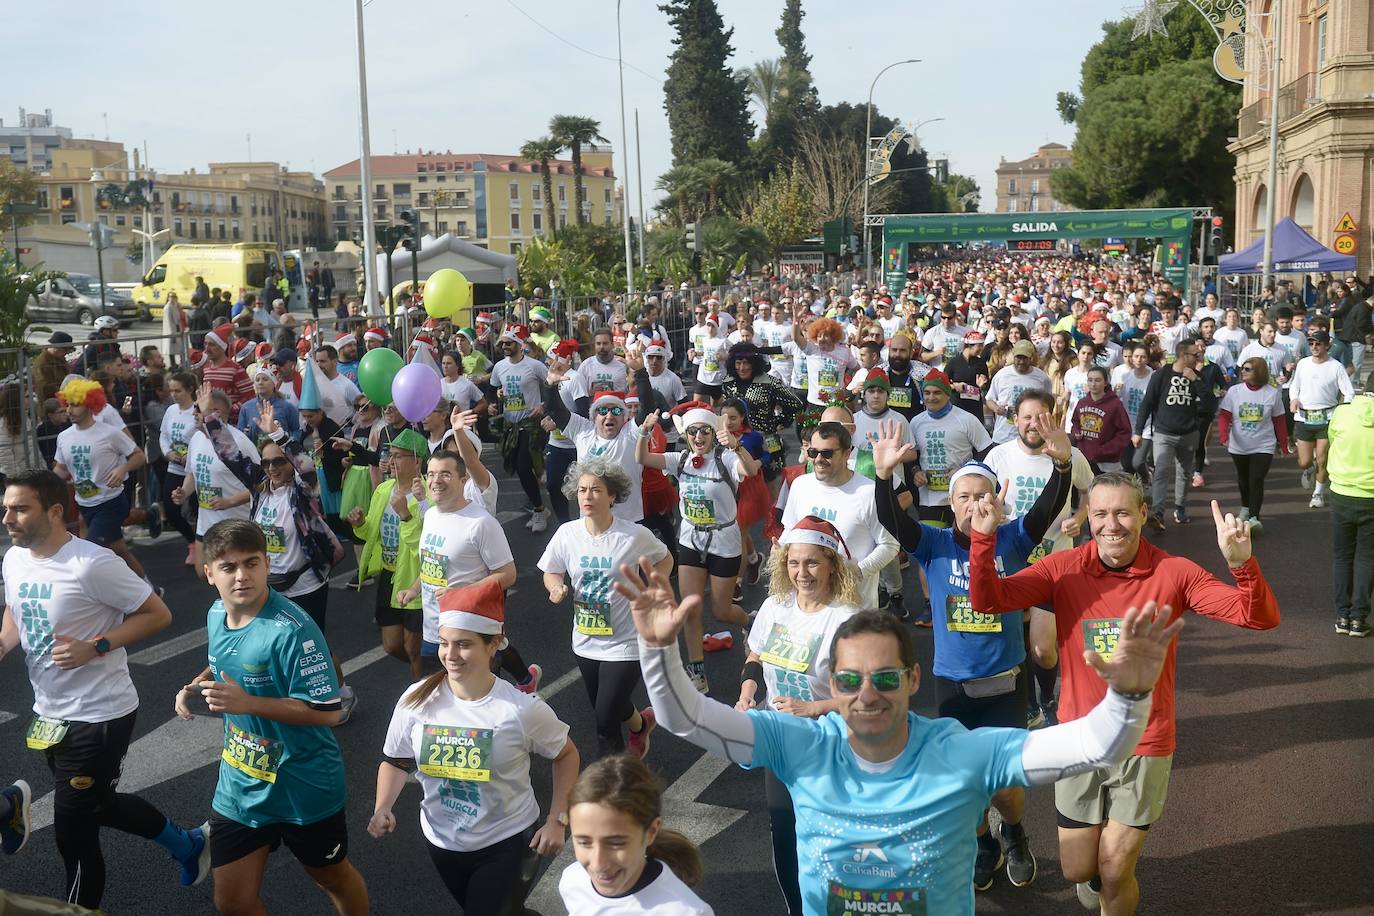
(725, 475)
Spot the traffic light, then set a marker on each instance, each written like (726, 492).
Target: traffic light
(1215, 240)
(410, 226)
(691, 236)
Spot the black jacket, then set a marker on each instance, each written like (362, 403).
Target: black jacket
(1173, 401)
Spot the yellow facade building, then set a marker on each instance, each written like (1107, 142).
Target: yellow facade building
(495, 201)
(1325, 94)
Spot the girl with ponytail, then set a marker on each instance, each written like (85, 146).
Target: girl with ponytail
(627, 861)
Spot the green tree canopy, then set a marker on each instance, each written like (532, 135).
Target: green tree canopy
(1153, 140)
(707, 104)
(796, 103)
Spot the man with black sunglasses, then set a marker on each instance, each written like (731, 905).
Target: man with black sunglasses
(884, 797)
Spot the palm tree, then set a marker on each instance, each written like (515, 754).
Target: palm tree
(684, 186)
(572, 131)
(716, 176)
(764, 82)
(541, 151)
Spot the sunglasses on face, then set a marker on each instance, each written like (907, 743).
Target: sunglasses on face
(700, 431)
(1247, 368)
(275, 462)
(613, 411)
(884, 680)
(826, 453)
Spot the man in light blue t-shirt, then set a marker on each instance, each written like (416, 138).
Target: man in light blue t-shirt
(281, 775)
(884, 798)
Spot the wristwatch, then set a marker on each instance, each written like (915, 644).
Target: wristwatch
(102, 645)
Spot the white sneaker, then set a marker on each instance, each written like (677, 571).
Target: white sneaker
(348, 701)
(1088, 898)
(540, 521)
(1318, 501)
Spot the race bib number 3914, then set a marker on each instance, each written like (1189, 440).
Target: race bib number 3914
(250, 754)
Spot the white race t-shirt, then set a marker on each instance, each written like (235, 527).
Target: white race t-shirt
(1131, 390)
(944, 445)
(1318, 387)
(711, 355)
(794, 647)
(1076, 385)
(1252, 419)
(1235, 339)
(705, 501)
(948, 340)
(456, 549)
(598, 376)
(603, 628)
(620, 450)
(517, 385)
(473, 759)
(178, 425)
(851, 509)
(284, 552)
(345, 395)
(1026, 477)
(91, 454)
(213, 478)
(825, 369)
(1006, 386)
(666, 895)
(1274, 358)
(461, 391)
(58, 595)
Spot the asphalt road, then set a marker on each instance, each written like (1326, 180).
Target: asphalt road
(1269, 810)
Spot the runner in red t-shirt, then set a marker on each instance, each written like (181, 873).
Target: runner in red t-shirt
(1103, 816)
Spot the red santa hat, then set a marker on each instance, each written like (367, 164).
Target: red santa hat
(195, 359)
(714, 319)
(565, 349)
(422, 340)
(815, 530)
(344, 339)
(516, 332)
(656, 347)
(374, 334)
(693, 413)
(477, 608)
(608, 399)
(221, 336)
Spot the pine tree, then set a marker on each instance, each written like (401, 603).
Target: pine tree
(707, 104)
(795, 103)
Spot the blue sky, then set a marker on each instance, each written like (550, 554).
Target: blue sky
(192, 79)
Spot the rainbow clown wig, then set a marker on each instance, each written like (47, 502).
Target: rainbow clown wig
(825, 332)
(83, 393)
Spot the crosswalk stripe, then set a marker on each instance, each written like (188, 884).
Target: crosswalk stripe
(170, 648)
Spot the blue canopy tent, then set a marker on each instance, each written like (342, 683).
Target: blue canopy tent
(1294, 252)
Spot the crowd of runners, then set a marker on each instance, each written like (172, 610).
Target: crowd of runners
(972, 459)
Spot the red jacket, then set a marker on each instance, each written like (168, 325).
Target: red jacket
(1101, 429)
(1089, 599)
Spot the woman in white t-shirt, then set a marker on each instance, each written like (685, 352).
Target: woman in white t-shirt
(458, 388)
(1252, 425)
(470, 735)
(708, 473)
(583, 561)
(813, 587)
(221, 491)
(628, 863)
(1076, 383)
(709, 354)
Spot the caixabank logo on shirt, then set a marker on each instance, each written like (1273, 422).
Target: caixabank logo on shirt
(868, 859)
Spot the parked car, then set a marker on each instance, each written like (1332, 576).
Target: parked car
(76, 298)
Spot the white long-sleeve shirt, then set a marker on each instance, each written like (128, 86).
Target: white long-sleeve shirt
(1319, 386)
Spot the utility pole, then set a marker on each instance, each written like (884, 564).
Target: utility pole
(625, 160)
(1271, 192)
(639, 182)
(365, 171)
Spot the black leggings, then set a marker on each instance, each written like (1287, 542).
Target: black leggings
(92, 756)
(1204, 426)
(485, 881)
(609, 687)
(1250, 473)
(171, 512)
(524, 469)
(783, 820)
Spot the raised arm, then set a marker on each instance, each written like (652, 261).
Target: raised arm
(1051, 500)
(890, 452)
(658, 617)
(988, 592)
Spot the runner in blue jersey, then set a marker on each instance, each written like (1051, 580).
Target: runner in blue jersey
(281, 775)
(979, 661)
(884, 797)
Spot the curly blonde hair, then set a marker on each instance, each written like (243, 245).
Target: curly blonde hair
(844, 577)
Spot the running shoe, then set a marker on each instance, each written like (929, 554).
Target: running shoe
(1343, 626)
(897, 608)
(1020, 859)
(1243, 514)
(752, 570)
(539, 522)
(1035, 718)
(1180, 517)
(1050, 711)
(987, 862)
(155, 521)
(738, 596)
(529, 522)
(348, 701)
(1359, 629)
(1309, 477)
(882, 598)
(699, 682)
(1155, 523)
(195, 868)
(1254, 524)
(14, 832)
(1197, 479)
(1318, 501)
(531, 684)
(718, 642)
(639, 741)
(1090, 894)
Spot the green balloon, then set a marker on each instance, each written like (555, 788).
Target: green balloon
(375, 372)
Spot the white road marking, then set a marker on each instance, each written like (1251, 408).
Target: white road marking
(7, 717)
(547, 693)
(170, 648)
(681, 811)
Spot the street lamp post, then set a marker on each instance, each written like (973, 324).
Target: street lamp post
(365, 174)
(868, 164)
(625, 160)
(1276, 19)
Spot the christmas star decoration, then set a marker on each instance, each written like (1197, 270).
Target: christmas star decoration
(1150, 19)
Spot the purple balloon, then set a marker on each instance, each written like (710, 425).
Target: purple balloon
(415, 391)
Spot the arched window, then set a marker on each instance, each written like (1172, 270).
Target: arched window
(1261, 201)
(1303, 203)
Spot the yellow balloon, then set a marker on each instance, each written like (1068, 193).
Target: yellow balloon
(447, 291)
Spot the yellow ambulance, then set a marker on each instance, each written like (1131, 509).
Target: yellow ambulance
(238, 268)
